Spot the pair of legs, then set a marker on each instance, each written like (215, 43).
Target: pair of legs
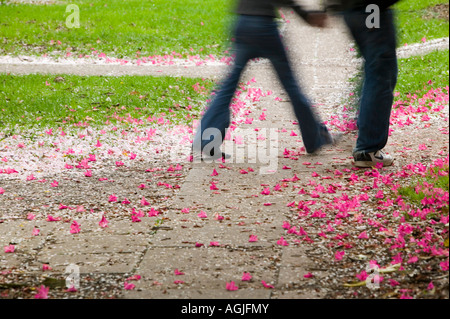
(258, 36)
(378, 48)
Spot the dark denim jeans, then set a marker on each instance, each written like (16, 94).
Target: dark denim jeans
(258, 36)
(378, 48)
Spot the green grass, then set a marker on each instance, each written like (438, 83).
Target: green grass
(416, 71)
(27, 100)
(431, 180)
(118, 28)
(415, 20)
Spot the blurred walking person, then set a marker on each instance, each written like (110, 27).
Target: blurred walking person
(257, 36)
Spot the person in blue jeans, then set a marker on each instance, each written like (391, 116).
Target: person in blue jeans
(257, 36)
(377, 44)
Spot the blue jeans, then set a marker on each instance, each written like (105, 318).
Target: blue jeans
(377, 46)
(258, 36)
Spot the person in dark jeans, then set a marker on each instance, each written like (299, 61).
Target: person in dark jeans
(257, 36)
(378, 48)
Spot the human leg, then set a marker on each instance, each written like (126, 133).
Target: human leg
(314, 133)
(377, 46)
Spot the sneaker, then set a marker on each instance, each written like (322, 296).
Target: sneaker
(371, 159)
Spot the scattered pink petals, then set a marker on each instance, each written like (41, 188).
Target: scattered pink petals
(50, 218)
(42, 292)
(202, 214)
(231, 286)
(282, 242)
(9, 249)
(266, 285)
(75, 227)
(129, 286)
(103, 223)
(134, 277)
(339, 255)
(46, 267)
(35, 231)
(246, 276)
(363, 235)
(178, 273)
(71, 289)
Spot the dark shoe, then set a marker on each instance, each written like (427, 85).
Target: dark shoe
(364, 160)
(200, 156)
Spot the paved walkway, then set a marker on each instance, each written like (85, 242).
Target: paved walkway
(208, 269)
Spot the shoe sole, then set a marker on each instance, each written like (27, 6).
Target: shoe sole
(367, 164)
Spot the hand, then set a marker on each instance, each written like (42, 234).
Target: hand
(317, 19)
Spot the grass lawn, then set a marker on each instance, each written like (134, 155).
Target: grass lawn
(40, 101)
(417, 19)
(415, 73)
(118, 28)
(434, 183)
